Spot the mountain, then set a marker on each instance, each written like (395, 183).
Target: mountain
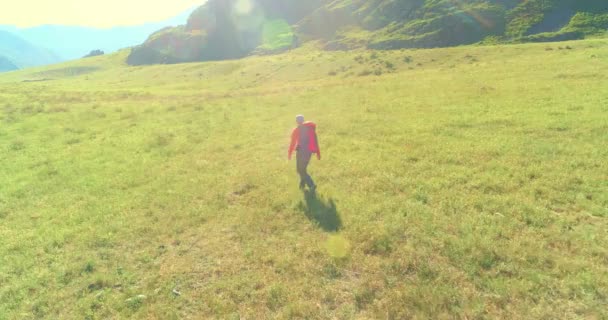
(229, 29)
(73, 42)
(7, 65)
(393, 24)
(226, 29)
(20, 53)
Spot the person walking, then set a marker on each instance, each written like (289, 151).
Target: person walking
(304, 141)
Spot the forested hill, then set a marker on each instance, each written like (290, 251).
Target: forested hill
(228, 29)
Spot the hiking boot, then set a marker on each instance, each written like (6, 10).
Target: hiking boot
(311, 184)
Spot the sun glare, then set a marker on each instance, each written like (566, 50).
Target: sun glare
(243, 7)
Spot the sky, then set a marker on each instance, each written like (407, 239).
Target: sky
(91, 13)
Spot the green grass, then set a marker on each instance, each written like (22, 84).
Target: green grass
(467, 182)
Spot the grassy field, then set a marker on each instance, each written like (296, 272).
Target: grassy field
(461, 183)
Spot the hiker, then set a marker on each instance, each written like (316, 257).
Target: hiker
(304, 141)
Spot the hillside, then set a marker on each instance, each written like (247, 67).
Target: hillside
(394, 24)
(22, 53)
(456, 183)
(73, 42)
(233, 29)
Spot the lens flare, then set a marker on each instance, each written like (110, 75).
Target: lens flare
(337, 246)
(277, 34)
(248, 19)
(486, 23)
(247, 15)
(243, 7)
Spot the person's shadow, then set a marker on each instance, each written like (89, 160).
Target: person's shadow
(322, 212)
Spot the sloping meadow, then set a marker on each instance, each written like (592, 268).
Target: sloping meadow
(459, 183)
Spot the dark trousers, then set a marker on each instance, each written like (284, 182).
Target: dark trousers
(303, 159)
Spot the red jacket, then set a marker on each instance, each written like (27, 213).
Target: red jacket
(309, 128)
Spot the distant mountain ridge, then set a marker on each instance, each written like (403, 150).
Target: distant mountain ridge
(7, 65)
(225, 29)
(18, 53)
(73, 42)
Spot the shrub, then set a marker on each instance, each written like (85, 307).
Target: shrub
(94, 53)
(365, 72)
